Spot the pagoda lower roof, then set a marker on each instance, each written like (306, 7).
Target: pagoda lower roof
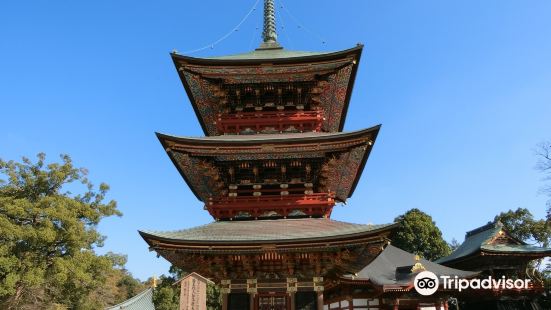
(267, 231)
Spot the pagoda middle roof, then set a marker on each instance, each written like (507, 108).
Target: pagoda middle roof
(284, 138)
(187, 152)
(262, 231)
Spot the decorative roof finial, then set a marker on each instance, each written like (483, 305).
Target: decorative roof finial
(269, 34)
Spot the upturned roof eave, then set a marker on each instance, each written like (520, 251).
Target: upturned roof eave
(357, 51)
(271, 139)
(248, 140)
(277, 60)
(150, 236)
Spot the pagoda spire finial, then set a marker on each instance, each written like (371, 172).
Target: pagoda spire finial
(269, 34)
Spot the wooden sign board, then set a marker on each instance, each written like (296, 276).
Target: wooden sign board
(193, 292)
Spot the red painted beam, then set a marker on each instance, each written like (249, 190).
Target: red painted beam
(258, 121)
(318, 204)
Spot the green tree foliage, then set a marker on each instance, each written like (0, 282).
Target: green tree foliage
(48, 236)
(119, 284)
(454, 244)
(167, 295)
(417, 233)
(543, 152)
(522, 225)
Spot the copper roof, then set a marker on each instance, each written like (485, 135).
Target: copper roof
(142, 301)
(262, 231)
(278, 65)
(259, 139)
(183, 150)
(479, 240)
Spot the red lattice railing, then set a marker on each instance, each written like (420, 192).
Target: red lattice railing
(317, 204)
(260, 121)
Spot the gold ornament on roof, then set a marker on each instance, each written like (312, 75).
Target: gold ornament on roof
(417, 267)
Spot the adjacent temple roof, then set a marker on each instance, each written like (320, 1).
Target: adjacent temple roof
(142, 301)
(263, 231)
(492, 239)
(392, 269)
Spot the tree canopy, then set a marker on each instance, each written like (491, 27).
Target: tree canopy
(522, 225)
(543, 152)
(417, 233)
(167, 295)
(48, 235)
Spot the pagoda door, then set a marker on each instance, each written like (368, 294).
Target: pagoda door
(272, 302)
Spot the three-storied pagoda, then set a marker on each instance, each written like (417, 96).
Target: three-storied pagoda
(270, 170)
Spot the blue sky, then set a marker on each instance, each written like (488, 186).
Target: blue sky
(462, 88)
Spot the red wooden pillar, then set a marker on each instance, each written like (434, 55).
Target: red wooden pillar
(320, 300)
(224, 301)
(396, 304)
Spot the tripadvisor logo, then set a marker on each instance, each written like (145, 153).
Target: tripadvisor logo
(426, 283)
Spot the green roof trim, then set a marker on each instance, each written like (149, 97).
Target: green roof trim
(142, 301)
(478, 240)
(275, 53)
(280, 230)
(515, 248)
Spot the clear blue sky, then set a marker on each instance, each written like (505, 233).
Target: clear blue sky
(462, 88)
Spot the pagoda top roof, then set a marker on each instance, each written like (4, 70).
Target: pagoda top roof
(200, 76)
(262, 231)
(394, 267)
(274, 55)
(482, 239)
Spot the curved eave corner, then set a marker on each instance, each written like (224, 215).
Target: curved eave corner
(178, 59)
(153, 236)
(238, 60)
(175, 163)
(364, 161)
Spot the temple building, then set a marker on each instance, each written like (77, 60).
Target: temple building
(273, 164)
(492, 251)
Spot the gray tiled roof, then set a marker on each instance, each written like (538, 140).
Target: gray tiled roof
(393, 267)
(478, 239)
(142, 301)
(284, 137)
(267, 230)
